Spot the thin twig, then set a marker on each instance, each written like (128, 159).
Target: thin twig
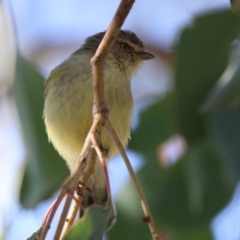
(103, 162)
(98, 59)
(88, 171)
(84, 161)
(69, 184)
(50, 214)
(63, 217)
(75, 206)
(72, 213)
(148, 215)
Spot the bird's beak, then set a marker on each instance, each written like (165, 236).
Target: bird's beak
(145, 55)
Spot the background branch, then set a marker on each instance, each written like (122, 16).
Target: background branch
(156, 235)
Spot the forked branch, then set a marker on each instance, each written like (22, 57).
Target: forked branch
(100, 118)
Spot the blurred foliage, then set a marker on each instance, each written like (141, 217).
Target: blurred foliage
(183, 197)
(93, 226)
(45, 170)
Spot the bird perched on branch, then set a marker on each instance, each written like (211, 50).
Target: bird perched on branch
(69, 101)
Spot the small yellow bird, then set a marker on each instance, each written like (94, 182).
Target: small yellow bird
(69, 101)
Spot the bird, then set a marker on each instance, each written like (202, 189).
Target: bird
(69, 99)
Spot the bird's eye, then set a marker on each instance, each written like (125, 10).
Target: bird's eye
(124, 45)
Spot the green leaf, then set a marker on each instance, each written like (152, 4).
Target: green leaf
(157, 124)
(201, 57)
(36, 235)
(183, 198)
(226, 93)
(225, 129)
(94, 226)
(191, 192)
(45, 170)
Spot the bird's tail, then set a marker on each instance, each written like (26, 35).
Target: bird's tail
(97, 192)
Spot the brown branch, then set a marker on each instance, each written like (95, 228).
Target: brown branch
(85, 162)
(156, 235)
(50, 214)
(103, 162)
(63, 218)
(75, 206)
(97, 61)
(70, 184)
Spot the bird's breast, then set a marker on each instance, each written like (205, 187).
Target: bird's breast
(68, 114)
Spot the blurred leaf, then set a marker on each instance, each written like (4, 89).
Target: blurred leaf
(226, 93)
(183, 198)
(198, 233)
(225, 128)
(36, 235)
(191, 192)
(157, 124)
(94, 225)
(45, 170)
(201, 57)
